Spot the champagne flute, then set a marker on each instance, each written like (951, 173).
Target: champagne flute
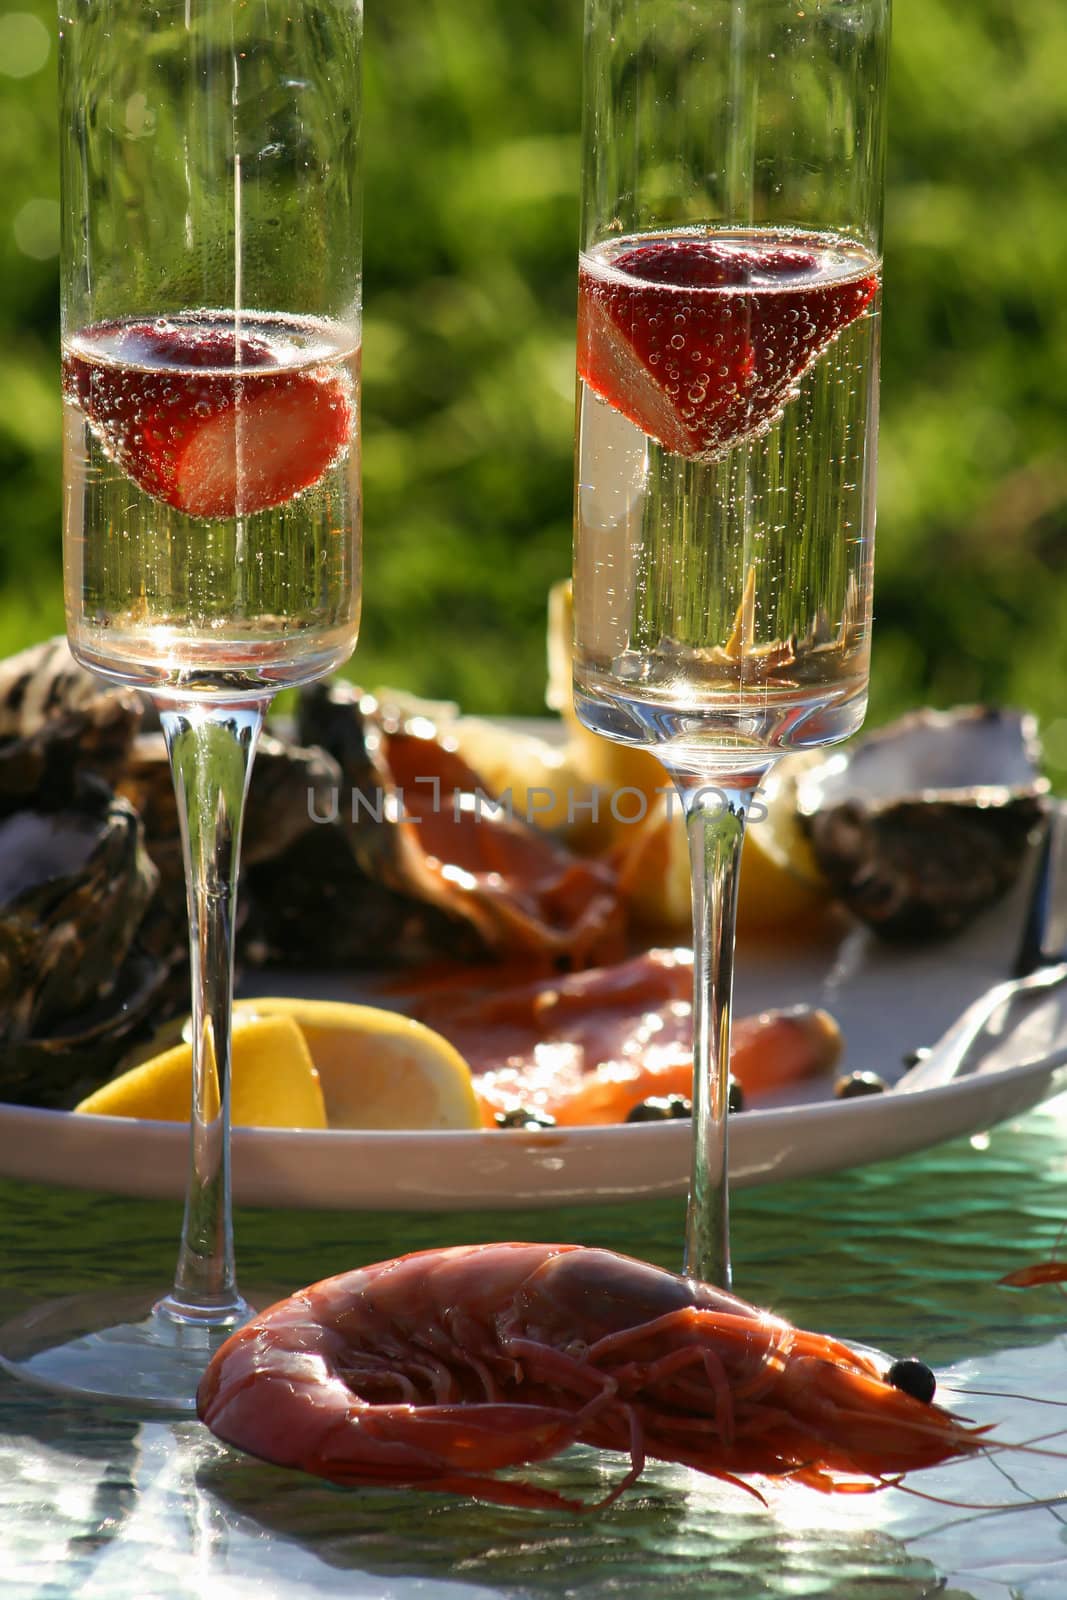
(729, 287)
(210, 319)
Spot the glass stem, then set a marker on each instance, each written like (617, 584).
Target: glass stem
(211, 750)
(715, 813)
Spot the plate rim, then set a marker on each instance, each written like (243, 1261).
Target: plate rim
(863, 1105)
(533, 1169)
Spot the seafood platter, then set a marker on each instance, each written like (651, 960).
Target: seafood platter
(465, 952)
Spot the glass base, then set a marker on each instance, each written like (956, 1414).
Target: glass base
(701, 734)
(119, 1348)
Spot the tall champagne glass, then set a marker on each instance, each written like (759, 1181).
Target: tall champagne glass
(211, 327)
(729, 286)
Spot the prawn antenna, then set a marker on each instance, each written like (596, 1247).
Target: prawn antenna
(1005, 1394)
(1026, 1503)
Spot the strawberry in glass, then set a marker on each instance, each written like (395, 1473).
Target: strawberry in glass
(727, 389)
(215, 459)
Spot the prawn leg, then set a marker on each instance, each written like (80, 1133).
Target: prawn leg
(511, 1438)
(451, 1450)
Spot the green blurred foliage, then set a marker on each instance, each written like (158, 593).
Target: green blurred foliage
(471, 160)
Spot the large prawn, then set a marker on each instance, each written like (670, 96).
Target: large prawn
(439, 1369)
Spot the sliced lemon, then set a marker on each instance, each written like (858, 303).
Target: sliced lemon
(612, 769)
(654, 876)
(275, 1082)
(624, 772)
(781, 885)
(560, 648)
(378, 1069)
(541, 779)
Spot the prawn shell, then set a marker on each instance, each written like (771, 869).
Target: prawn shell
(440, 1369)
(417, 861)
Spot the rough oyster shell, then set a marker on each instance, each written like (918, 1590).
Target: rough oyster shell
(56, 721)
(288, 785)
(922, 825)
(93, 922)
(75, 884)
(420, 866)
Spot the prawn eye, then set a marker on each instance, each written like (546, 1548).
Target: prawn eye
(913, 1377)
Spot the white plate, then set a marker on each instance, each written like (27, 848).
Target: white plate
(887, 1001)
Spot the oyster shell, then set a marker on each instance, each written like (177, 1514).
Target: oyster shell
(415, 861)
(288, 786)
(925, 823)
(93, 922)
(56, 721)
(75, 884)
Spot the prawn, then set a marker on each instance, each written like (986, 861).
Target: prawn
(440, 1368)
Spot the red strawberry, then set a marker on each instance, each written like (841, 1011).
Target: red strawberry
(224, 441)
(696, 367)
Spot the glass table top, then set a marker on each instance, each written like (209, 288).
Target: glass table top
(903, 1256)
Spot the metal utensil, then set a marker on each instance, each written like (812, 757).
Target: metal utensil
(1044, 935)
(1039, 964)
(954, 1055)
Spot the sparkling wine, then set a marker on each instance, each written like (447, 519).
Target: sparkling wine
(727, 419)
(212, 499)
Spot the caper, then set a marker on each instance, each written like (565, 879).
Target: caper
(524, 1117)
(853, 1085)
(660, 1108)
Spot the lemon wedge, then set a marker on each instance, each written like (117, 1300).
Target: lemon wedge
(781, 886)
(378, 1069)
(631, 782)
(542, 781)
(781, 889)
(654, 875)
(275, 1082)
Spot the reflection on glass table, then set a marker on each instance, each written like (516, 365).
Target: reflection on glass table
(902, 1256)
